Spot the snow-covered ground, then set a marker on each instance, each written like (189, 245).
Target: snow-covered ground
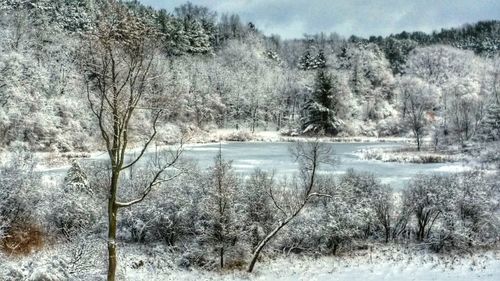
(410, 156)
(386, 264)
(276, 136)
(156, 263)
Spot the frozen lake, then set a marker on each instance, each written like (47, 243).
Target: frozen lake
(246, 156)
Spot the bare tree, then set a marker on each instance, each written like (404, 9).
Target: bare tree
(309, 155)
(118, 62)
(417, 102)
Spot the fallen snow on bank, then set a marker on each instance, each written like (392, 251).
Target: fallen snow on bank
(276, 136)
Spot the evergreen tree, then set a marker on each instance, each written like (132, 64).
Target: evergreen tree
(490, 130)
(305, 61)
(310, 62)
(320, 60)
(320, 110)
(76, 179)
(198, 40)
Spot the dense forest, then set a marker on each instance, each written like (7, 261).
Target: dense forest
(218, 72)
(98, 75)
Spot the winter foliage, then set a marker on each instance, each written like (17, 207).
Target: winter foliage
(120, 77)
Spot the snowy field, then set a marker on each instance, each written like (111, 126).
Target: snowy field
(381, 264)
(156, 263)
(325, 269)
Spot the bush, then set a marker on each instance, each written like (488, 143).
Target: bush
(18, 195)
(75, 208)
(454, 213)
(73, 213)
(23, 239)
(239, 136)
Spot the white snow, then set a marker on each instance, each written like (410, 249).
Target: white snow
(376, 266)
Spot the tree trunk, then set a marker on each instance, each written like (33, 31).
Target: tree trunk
(112, 219)
(262, 244)
(222, 257)
(418, 142)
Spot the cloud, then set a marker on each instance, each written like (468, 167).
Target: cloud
(293, 18)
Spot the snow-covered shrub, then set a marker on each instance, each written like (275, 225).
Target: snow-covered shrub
(241, 135)
(168, 215)
(428, 196)
(491, 154)
(82, 254)
(454, 212)
(52, 269)
(359, 209)
(18, 193)
(255, 211)
(195, 256)
(389, 127)
(218, 227)
(73, 213)
(3, 228)
(471, 219)
(36, 268)
(10, 272)
(74, 206)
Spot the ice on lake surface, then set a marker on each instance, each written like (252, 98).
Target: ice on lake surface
(246, 156)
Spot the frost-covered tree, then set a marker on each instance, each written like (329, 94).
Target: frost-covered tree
(257, 212)
(467, 218)
(465, 108)
(396, 52)
(417, 101)
(320, 60)
(197, 29)
(19, 200)
(437, 64)
(490, 125)
(457, 74)
(371, 80)
(195, 38)
(321, 109)
(118, 65)
(428, 198)
(219, 226)
(310, 156)
(76, 179)
(306, 61)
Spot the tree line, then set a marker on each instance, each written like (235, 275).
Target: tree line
(221, 73)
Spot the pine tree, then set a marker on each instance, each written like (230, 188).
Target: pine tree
(310, 62)
(76, 179)
(305, 61)
(320, 60)
(320, 110)
(198, 40)
(490, 129)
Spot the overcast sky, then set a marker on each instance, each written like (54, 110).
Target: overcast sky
(293, 18)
